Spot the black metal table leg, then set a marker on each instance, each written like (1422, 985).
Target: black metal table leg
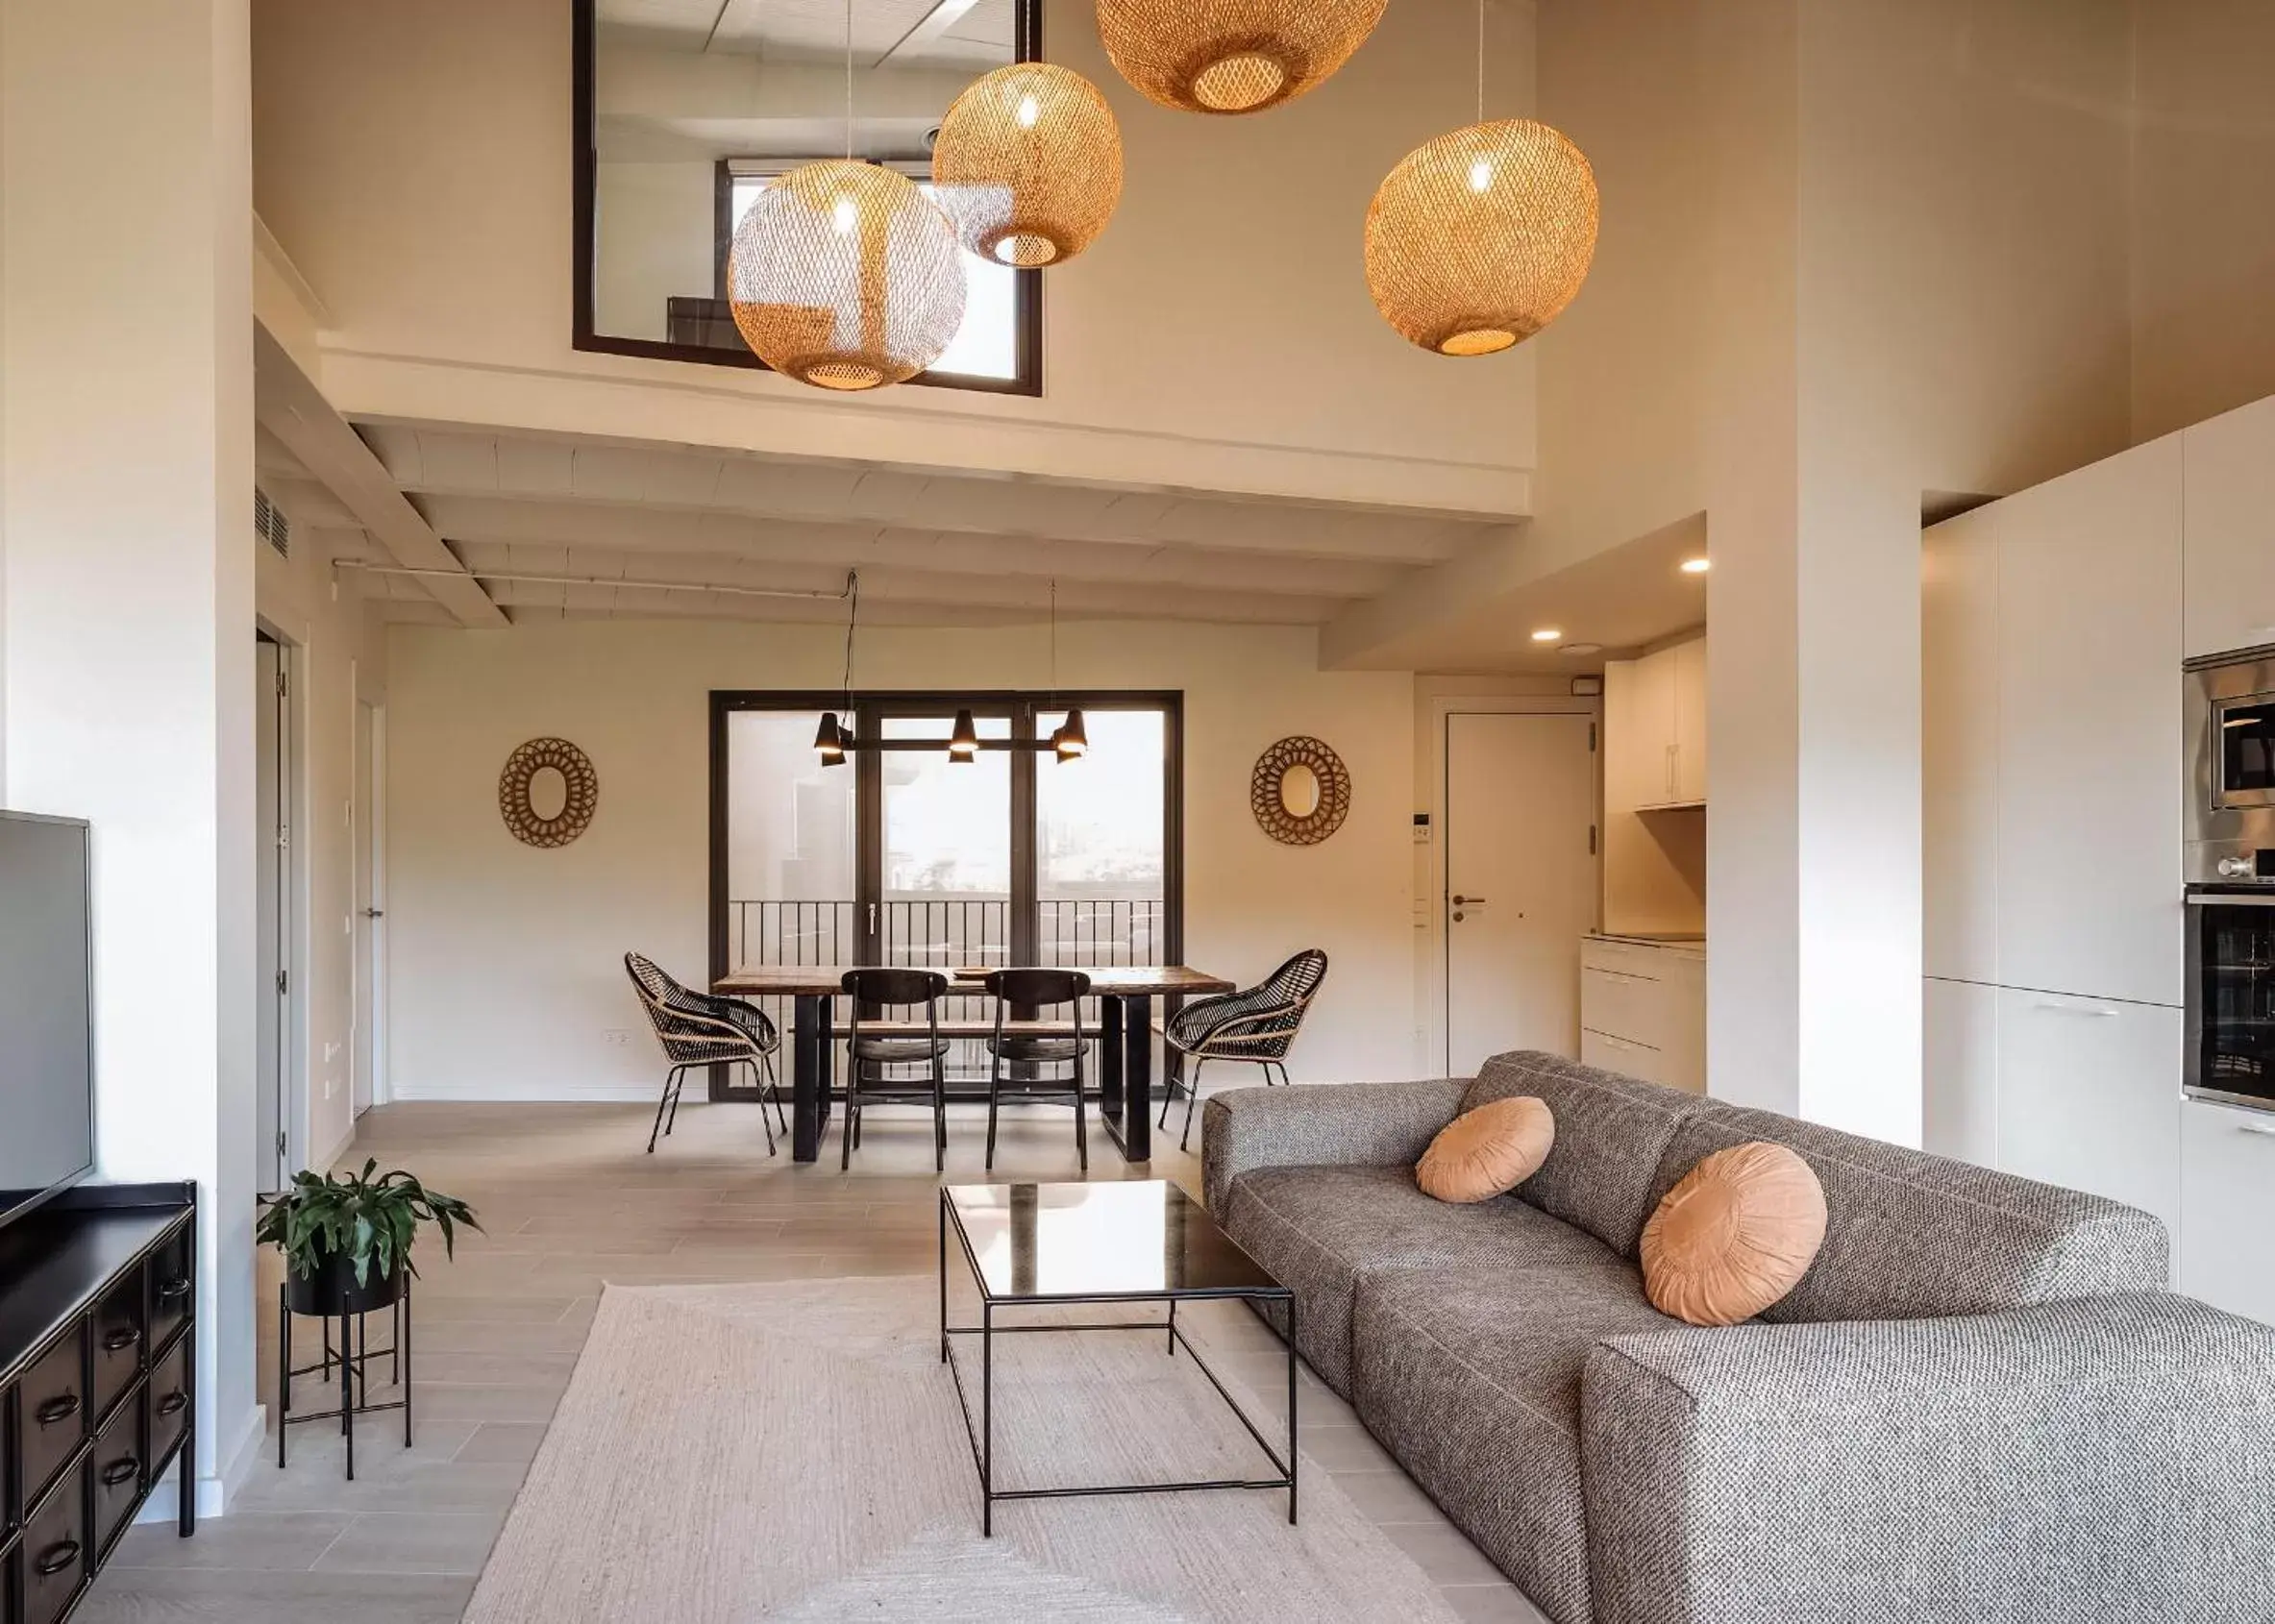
(1137, 1079)
(943, 1276)
(806, 1079)
(987, 1420)
(1294, 1452)
(1109, 1069)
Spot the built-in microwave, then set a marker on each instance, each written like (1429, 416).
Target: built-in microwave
(2231, 724)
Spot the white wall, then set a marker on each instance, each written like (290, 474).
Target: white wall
(338, 660)
(128, 474)
(414, 162)
(507, 961)
(642, 212)
(2204, 211)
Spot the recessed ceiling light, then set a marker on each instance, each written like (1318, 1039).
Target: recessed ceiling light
(1697, 566)
(1581, 649)
(1548, 634)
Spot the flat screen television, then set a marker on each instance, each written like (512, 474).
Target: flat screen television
(47, 1073)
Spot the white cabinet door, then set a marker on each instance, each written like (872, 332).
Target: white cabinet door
(1960, 746)
(1639, 732)
(2089, 787)
(2231, 532)
(1962, 1070)
(2227, 1162)
(1629, 1059)
(2089, 1096)
(1690, 720)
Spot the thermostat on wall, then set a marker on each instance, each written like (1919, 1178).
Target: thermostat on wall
(1421, 828)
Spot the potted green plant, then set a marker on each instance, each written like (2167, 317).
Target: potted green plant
(346, 1237)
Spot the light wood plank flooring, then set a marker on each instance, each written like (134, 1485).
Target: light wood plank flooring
(571, 1203)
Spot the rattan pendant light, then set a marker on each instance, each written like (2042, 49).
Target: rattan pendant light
(1480, 238)
(1028, 165)
(1232, 55)
(844, 275)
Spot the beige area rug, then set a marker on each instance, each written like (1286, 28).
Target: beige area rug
(794, 1452)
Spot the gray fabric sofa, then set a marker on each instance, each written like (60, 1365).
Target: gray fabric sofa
(1980, 1404)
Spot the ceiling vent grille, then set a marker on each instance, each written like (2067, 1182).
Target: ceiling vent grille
(270, 524)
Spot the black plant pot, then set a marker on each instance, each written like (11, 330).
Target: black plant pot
(331, 1289)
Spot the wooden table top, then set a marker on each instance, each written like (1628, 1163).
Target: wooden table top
(1118, 981)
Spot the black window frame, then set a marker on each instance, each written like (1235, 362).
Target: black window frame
(1027, 310)
(870, 707)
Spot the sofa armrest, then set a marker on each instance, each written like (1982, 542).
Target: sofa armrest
(2085, 1460)
(1321, 1124)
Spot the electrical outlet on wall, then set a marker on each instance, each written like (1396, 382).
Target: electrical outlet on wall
(617, 1037)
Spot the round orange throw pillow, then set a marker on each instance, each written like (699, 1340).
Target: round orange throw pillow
(1488, 1151)
(1735, 1235)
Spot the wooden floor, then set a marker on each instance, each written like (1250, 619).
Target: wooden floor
(571, 1203)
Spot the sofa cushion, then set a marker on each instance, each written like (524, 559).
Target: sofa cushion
(1734, 1235)
(1487, 1152)
(1611, 1134)
(1476, 1390)
(1911, 1236)
(1318, 1230)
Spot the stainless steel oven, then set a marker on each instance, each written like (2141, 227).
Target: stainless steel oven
(2231, 1017)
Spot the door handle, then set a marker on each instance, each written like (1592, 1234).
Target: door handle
(1465, 901)
(375, 913)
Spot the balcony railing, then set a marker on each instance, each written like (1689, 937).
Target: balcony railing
(947, 934)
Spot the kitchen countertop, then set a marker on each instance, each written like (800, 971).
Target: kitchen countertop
(1682, 942)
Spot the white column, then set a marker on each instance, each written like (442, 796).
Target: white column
(1813, 854)
(126, 472)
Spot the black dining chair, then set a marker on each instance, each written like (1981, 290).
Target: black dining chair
(878, 1040)
(1255, 1027)
(700, 1029)
(1049, 1064)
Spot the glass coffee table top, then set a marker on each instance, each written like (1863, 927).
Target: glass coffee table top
(1044, 1243)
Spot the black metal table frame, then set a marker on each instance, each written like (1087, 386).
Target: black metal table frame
(1125, 1073)
(353, 1356)
(983, 1438)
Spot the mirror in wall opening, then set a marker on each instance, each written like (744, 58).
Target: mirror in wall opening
(693, 106)
(46, 1009)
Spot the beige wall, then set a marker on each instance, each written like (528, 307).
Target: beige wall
(2204, 211)
(506, 960)
(338, 660)
(414, 160)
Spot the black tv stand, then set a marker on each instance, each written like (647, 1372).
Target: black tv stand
(98, 1383)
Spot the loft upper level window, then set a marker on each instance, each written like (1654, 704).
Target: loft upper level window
(688, 108)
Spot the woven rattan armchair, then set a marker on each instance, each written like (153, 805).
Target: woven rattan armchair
(699, 1030)
(1256, 1027)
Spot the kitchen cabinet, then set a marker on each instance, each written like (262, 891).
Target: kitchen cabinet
(2227, 1209)
(2230, 553)
(2087, 1094)
(1961, 1070)
(2089, 758)
(1689, 675)
(1655, 728)
(1643, 1009)
(1960, 746)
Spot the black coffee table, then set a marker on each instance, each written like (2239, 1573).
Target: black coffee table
(1037, 1245)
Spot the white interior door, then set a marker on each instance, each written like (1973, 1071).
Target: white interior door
(273, 936)
(368, 922)
(1520, 882)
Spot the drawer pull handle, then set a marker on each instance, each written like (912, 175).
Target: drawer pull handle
(2263, 1130)
(173, 1290)
(2094, 1013)
(121, 1471)
(57, 1558)
(56, 1410)
(173, 1403)
(120, 1339)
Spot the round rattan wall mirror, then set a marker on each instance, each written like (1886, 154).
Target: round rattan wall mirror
(548, 792)
(1300, 791)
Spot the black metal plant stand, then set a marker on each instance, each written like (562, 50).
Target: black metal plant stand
(353, 1356)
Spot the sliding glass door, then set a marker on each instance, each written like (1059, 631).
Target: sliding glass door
(903, 855)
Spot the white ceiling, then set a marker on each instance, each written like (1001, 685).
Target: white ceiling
(961, 33)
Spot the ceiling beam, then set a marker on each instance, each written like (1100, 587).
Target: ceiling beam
(289, 407)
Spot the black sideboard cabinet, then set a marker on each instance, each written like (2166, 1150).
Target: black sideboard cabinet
(98, 1383)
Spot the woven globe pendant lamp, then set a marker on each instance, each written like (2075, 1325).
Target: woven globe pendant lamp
(1232, 55)
(1480, 238)
(1028, 165)
(844, 275)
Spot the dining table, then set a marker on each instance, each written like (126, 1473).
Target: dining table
(1126, 995)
